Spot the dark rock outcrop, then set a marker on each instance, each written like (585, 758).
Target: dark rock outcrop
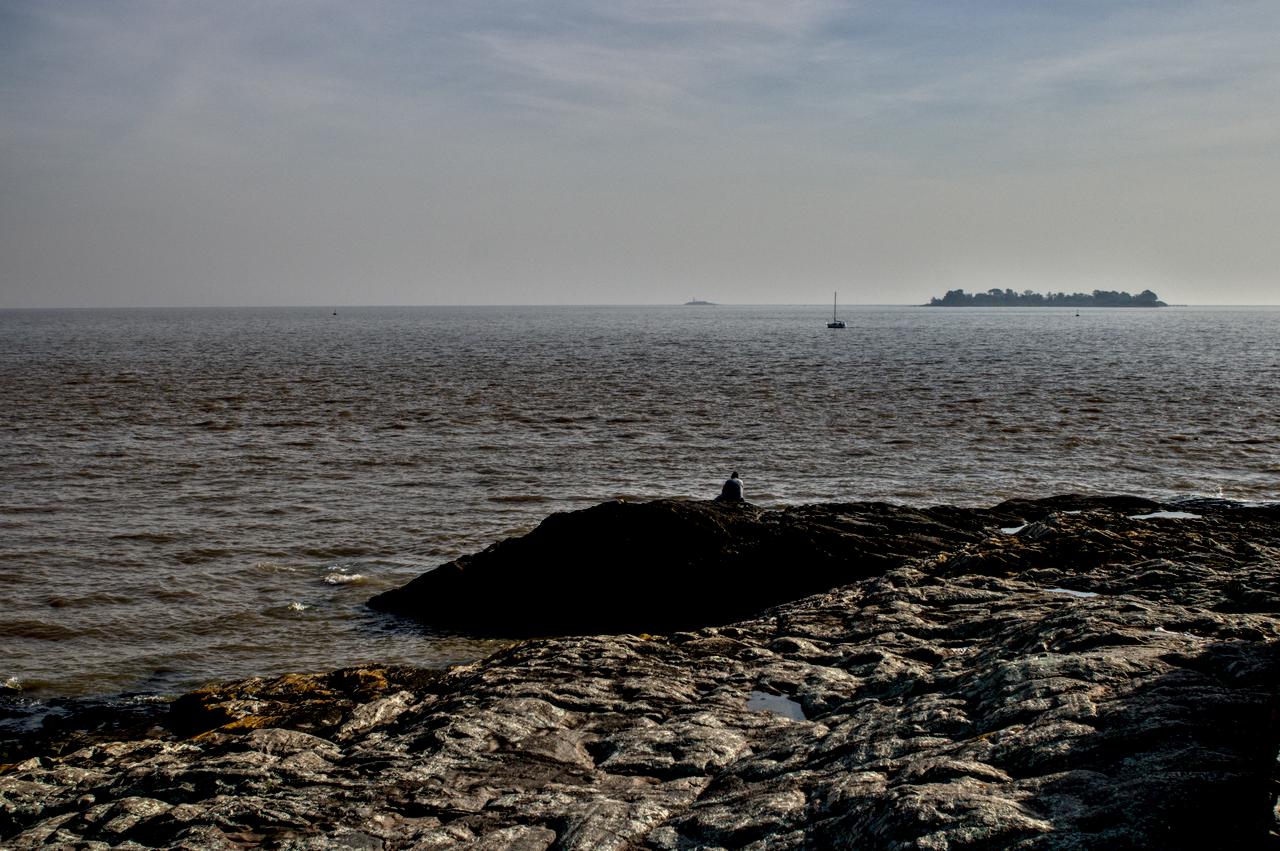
(1092, 680)
(625, 567)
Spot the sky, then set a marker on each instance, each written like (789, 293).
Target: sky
(280, 152)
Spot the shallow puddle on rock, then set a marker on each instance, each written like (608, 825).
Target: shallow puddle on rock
(1167, 515)
(1082, 594)
(1013, 530)
(762, 701)
(1162, 631)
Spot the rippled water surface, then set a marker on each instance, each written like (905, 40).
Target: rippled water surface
(197, 494)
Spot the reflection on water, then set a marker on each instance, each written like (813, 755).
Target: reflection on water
(762, 701)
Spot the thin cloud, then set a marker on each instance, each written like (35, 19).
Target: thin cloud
(563, 144)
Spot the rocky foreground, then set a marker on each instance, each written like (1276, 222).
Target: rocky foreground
(1086, 678)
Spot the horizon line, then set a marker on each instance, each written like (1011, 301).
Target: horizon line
(338, 306)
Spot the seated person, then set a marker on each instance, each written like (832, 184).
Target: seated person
(732, 490)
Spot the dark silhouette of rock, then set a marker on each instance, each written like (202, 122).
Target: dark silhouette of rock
(668, 564)
(1071, 673)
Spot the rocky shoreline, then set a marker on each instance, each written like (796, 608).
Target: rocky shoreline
(1061, 673)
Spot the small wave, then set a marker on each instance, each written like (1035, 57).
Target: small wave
(30, 509)
(95, 600)
(272, 567)
(11, 684)
(170, 592)
(343, 578)
(42, 630)
(334, 552)
(522, 497)
(146, 537)
(298, 607)
(202, 554)
(215, 425)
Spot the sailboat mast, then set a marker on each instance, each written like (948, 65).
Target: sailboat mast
(833, 305)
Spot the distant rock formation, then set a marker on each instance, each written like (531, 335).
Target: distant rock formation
(1070, 673)
(1008, 298)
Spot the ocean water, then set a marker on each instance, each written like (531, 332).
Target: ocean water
(188, 495)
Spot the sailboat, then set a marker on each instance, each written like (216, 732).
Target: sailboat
(834, 323)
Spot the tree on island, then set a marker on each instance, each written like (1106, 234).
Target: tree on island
(996, 297)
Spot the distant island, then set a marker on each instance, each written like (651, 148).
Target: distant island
(1008, 298)
(698, 301)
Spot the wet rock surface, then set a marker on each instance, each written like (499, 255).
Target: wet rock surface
(1092, 680)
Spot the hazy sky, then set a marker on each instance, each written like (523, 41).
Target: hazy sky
(163, 152)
